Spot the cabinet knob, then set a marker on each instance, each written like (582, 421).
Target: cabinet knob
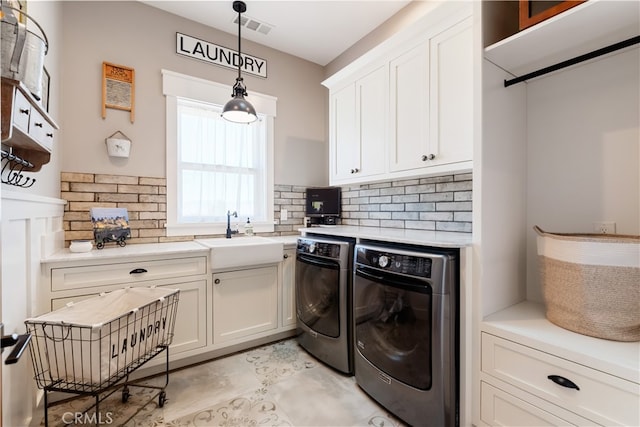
(217, 281)
(564, 382)
(355, 170)
(428, 157)
(285, 256)
(38, 125)
(24, 111)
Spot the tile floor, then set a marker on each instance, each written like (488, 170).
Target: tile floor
(278, 384)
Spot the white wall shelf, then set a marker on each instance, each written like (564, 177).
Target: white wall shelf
(580, 30)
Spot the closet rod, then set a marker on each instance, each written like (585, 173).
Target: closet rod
(576, 60)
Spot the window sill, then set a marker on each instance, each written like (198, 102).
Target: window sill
(209, 229)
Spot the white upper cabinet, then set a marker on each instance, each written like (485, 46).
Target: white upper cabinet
(345, 147)
(358, 127)
(451, 95)
(410, 126)
(405, 108)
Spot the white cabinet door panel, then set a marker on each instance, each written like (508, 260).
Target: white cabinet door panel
(451, 94)
(409, 109)
(245, 302)
(371, 113)
(345, 147)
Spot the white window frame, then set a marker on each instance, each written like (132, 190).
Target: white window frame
(176, 85)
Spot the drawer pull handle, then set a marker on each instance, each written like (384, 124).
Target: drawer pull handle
(564, 382)
(138, 271)
(24, 111)
(38, 125)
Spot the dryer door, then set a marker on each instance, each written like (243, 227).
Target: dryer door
(318, 294)
(393, 326)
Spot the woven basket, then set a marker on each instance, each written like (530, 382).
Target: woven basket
(591, 283)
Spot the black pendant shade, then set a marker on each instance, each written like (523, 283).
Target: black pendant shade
(238, 109)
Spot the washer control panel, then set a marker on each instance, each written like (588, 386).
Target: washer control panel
(395, 262)
(315, 247)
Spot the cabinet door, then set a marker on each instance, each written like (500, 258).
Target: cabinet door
(409, 104)
(288, 277)
(451, 97)
(344, 146)
(372, 102)
(245, 302)
(190, 330)
(191, 319)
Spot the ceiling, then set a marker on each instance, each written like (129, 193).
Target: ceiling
(317, 31)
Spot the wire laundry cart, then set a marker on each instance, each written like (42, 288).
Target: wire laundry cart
(91, 347)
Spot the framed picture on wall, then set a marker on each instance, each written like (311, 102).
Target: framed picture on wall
(44, 101)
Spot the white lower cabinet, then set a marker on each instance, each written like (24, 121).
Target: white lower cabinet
(287, 281)
(245, 303)
(524, 386)
(218, 312)
(76, 281)
(191, 318)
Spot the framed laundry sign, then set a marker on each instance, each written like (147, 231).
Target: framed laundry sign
(203, 50)
(118, 88)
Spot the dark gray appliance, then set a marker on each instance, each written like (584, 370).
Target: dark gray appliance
(323, 299)
(406, 331)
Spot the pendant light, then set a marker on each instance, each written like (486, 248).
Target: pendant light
(238, 109)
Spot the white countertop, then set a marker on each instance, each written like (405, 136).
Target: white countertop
(444, 239)
(138, 250)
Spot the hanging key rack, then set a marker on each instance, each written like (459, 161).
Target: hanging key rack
(12, 168)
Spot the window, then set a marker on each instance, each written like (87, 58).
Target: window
(215, 166)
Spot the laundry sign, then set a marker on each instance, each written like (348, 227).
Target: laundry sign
(219, 55)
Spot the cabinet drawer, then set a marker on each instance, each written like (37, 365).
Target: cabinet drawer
(41, 130)
(125, 273)
(602, 398)
(21, 112)
(499, 408)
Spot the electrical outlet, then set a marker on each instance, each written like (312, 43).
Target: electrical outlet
(283, 214)
(604, 227)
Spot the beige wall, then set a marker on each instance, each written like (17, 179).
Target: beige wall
(135, 35)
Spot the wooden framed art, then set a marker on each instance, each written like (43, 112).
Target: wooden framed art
(118, 88)
(534, 11)
(44, 100)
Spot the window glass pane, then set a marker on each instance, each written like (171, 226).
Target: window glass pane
(221, 165)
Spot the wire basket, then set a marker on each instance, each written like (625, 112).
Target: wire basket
(90, 346)
(591, 283)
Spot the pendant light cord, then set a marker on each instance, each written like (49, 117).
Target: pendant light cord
(239, 43)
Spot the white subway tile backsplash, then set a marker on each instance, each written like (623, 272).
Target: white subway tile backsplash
(430, 203)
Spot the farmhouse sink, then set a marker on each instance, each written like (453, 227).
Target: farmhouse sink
(243, 251)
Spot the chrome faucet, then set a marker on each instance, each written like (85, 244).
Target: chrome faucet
(229, 231)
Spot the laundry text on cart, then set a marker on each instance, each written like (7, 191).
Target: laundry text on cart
(138, 336)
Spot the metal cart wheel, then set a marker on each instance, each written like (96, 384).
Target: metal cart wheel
(162, 398)
(125, 394)
(100, 245)
(121, 242)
